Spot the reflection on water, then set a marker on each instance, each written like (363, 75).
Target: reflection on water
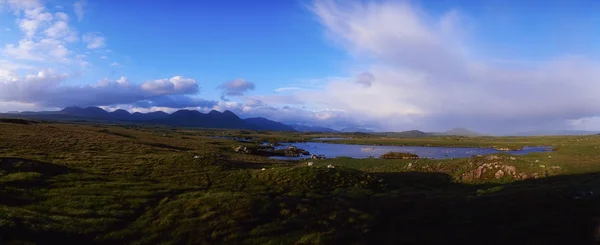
(356, 151)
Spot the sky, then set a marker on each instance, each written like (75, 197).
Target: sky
(495, 66)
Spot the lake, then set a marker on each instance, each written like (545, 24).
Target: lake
(330, 138)
(365, 151)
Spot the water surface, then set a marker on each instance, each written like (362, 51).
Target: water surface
(330, 138)
(366, 151)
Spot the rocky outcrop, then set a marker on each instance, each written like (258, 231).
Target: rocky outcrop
(317, 157)
(242, 149)
(499, 174)
(292, 151)
(499, 169)
(399, 155)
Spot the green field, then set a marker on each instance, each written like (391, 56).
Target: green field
(96, 184)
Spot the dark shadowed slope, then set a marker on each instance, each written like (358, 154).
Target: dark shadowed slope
(266, 124)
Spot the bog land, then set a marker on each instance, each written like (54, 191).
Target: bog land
(66, 183)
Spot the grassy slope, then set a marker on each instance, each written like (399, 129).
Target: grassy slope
(106, 184)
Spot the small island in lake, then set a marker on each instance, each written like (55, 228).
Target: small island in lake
(399, 155)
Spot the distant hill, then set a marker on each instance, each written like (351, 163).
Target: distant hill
(267, 124)
(555, 132)
(304, 128)
(181, 118)
(404, 134)
(458, 132)
(356, 130)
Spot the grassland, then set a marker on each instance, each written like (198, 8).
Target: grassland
(98, 184)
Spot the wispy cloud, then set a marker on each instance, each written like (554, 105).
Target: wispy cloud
(79, 9)
(94, 40)
(286, 89)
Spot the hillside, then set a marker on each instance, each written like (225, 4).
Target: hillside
(405, 134)
(305, 128)
(356, 130)
(267, 124)
(458, 132)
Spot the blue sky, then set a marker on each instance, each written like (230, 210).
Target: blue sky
(494, 66)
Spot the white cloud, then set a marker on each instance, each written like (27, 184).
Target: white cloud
(44, 50)
(18, 5)
(104, 57)
(93, 40)
(78, 8)
(45, 34)
(60, 30)
(61, 16)
(177, 84)
(33, 20)
(12, 67)
(116, 65)
(7, 29)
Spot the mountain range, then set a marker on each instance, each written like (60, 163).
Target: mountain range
(180, 118)
(212, 119)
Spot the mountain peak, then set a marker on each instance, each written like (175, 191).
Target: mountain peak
(95, 109)
(120, 112)
(228, 112)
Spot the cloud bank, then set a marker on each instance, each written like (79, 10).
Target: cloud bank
(47, 89)
(424, 74)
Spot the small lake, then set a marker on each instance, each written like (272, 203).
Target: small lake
(331, 138)
(366, 151)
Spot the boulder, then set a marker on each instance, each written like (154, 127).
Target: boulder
(317, 157)
(242, 149)
(499, 174)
